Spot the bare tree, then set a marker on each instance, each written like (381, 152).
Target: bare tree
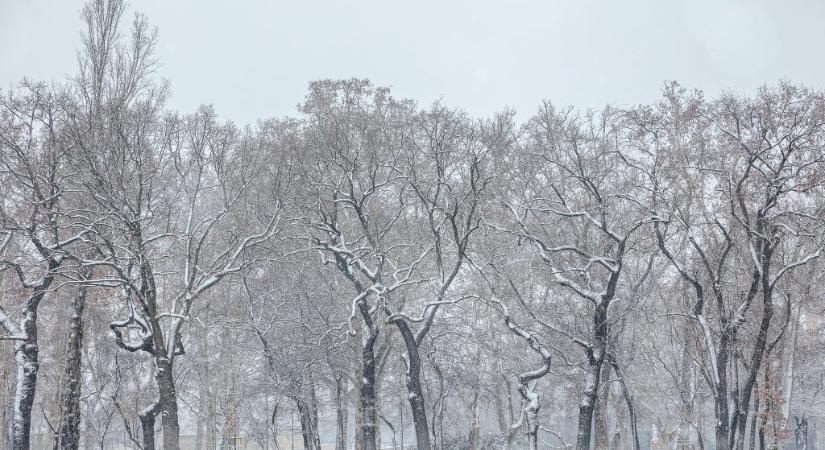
(581, 213)
(736, 209)
(173, 190)
(37, 227)
(355, 135)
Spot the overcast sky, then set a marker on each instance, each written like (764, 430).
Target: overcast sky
(253, 58)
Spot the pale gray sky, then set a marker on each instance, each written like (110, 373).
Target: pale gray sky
(253, 58)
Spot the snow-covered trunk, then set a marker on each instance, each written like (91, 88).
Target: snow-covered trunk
(415, 392)
(369, 414)
(531, 414)
(588, 403)
(26, 357)
(341, 416)
(69, 428)
(166, 405)
(595, 357)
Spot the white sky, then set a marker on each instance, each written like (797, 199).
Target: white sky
(253, 58)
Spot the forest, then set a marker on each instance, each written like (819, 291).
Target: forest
(372, 273)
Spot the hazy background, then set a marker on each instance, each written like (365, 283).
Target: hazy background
(253, 58)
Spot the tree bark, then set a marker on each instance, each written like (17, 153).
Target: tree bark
(368, 398)
(531, 415)
(341, 418)
(308, 415)
(754, 421)
(69, 428)
(722, 426)
(743, 410)
(504, 414)
(4, 424)
(801, 433)
(211, 438)
(474, 438)
(438, 409)
(26, 354)
(359, 420)
(595, 357)
(789, 368)
(147, 426)
(205, 390)
(167, 403)
(631, 408)
(166, 406)
(415, 392)
(600, 438)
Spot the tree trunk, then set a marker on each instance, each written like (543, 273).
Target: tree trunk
(308, 415)
(69, 428)
(167, 403)
(595, 357)
(754, 421)
(743, 410)
(205, 390)
(4, 428)
(591, 386)
(631, 408)
(531, 414)
(438, 409)
(700, 437)
(600, 438)
(414, 390)
(620, 432)
(359, 423)
(211, 438)
(474, 438)
(801, 433)
(26, 356)
(789, 368)
(504, 415)
(147, 426)
(341, 418)
(201, 420)
(368, 407)
(313, 413)
(722, 426)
